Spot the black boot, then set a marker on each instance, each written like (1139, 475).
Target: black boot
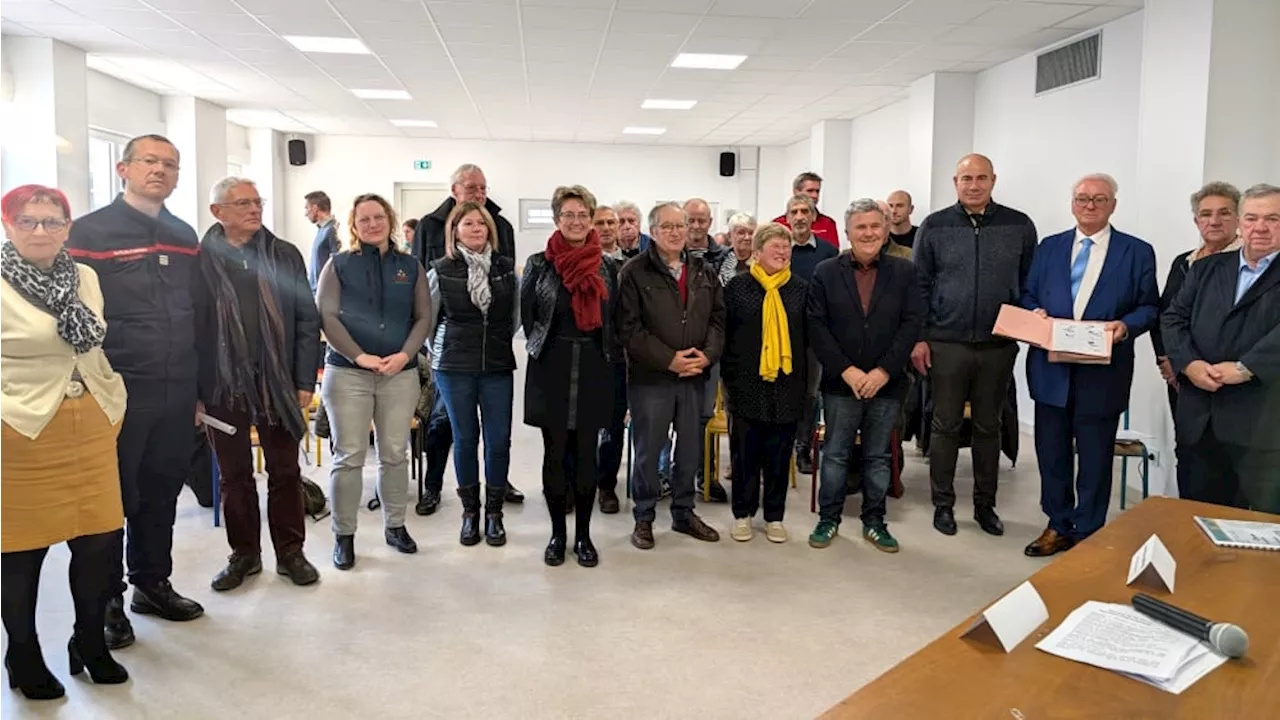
(93, 656)
(162, 600)
(30, 675)
(470, 497)
(494, 533)
(119, 631)
(583, 548)
(554, 554)
(344, 551)
(514, 496)
(428, 503)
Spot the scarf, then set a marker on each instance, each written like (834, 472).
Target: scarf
(478, 264)
(270, 395)
(57, 292)
(579, 270)
(775, 336)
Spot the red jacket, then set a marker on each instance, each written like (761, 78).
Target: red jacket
(824, 227)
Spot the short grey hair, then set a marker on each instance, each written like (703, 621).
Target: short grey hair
(463, 169)
(863, 205)
(657, 209)
(1217, 188)
(218, 193)
(1261, 190)
(624, 205)
(741, 219)
(1102, 177)
(813, 209)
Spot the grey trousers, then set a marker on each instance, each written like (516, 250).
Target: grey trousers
(355, 398)
(654, 409)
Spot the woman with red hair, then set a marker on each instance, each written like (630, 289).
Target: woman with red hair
(61, 412)
(567, 298)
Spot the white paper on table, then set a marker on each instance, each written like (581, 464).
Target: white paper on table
(1081, 338)
(1202, 660)
(1013, 617)
(1117, 637)
(1153, 563)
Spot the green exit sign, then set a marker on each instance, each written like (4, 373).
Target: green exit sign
(421, 164)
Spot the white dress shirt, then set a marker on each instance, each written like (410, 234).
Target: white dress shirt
(1097, 256)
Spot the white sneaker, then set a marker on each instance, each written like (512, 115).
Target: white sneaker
(742, 531)
(776, 532)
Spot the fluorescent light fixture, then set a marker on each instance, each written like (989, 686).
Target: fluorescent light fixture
(337, 45)
(381, 94)
(414, 123)
(637, 130)
(652, 104)
(707, 61)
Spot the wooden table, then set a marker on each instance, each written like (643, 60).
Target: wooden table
(961, 678)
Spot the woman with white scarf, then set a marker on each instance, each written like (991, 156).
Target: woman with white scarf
(475, 290)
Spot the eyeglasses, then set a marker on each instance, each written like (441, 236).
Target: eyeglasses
(1084, 200)
(246, 203)
(476, 188)
(51, 225)
(672, 227)
(580, 217)
(151, 162)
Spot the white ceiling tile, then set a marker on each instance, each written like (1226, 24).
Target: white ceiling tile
(869, 10)
(564, 18)
(13, 28)
(1097, 17)
(758, 8)
(920, 65)
(133, 19)
(382, 32)
(906, 32)
(1027, 15)
(949, 51)
(573, 76)
(46, 13)
(734, 27)
(480, 34)
(791, 63)
(653, 23)
(207, 23)
(410, 13)
(944, 11)
(585, 54)
(453, 14)
(1043, 38)
(1002, 54)
(556, 38)
(970, 67)
(871, 52)
(480, 66)
(328, 25)
(249, 42)
(478, 51)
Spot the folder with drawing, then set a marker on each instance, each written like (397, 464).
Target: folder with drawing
(1067, 341)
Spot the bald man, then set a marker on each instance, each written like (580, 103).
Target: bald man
(901, 231)
(970, 258)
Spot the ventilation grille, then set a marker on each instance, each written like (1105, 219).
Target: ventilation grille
(1069, 64)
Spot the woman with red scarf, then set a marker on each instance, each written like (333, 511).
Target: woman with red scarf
(566, 303)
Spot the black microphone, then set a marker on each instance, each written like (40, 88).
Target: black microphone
(1228, 639)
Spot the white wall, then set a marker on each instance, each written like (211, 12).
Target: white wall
(345, 167)
(778, 167)
(118, 107)
(238, 144)
(1041, 145)
(879, 160)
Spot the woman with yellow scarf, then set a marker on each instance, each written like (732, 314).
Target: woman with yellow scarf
(763, 368)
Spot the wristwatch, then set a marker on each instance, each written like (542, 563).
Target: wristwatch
(1240, 368)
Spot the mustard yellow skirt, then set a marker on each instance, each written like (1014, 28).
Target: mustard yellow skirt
(63, 484)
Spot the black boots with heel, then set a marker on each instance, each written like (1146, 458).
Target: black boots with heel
(583, 548)
(29, 674)
(470, 496)
(494, 533)
(95, 658)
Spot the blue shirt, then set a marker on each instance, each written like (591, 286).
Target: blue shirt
(1248, 276)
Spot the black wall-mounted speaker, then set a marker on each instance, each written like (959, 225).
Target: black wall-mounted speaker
(728, 164)
(297, 152)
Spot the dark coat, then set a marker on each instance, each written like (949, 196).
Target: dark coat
(843, 335)
(539, 290)
(428, 237)
(292, 291)
(750, 396)
(653, 323)
(1206, 323)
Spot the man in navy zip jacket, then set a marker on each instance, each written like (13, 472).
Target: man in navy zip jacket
(146, 260)
(971, 258)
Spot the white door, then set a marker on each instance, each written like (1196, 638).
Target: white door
(413, 200)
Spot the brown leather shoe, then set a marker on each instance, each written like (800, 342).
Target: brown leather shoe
(696, 529)
(642, 536)
(1049, 543)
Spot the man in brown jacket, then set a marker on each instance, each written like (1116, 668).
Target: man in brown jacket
(671, 322)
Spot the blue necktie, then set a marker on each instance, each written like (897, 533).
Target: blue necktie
(1077, 267)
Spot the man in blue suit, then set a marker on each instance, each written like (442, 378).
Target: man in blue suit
(1092, 272)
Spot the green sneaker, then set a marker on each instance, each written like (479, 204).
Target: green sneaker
(824, 534)
(879, 537)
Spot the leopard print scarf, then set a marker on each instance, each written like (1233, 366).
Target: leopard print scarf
(57, 292)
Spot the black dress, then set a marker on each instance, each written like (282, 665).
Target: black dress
(570, 384)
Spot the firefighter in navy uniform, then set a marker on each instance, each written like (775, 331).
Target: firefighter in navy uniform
(146, 259)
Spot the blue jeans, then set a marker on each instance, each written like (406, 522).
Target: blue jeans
(846, 416)
(491, 392)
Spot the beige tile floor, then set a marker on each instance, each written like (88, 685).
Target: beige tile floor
(728, 630)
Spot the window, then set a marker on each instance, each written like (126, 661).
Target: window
(536, 215)
(105, 150)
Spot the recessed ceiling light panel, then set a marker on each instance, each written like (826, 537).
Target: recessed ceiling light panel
(659, 104)
(336, 45)
(707, 61)
(382, 94)
(637, 130)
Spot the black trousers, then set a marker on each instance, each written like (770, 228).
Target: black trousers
(569, 471)
(756, 447)
(979, 374)
(613, 442)
(1225, 473)
(154, 451)
(93, 558)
